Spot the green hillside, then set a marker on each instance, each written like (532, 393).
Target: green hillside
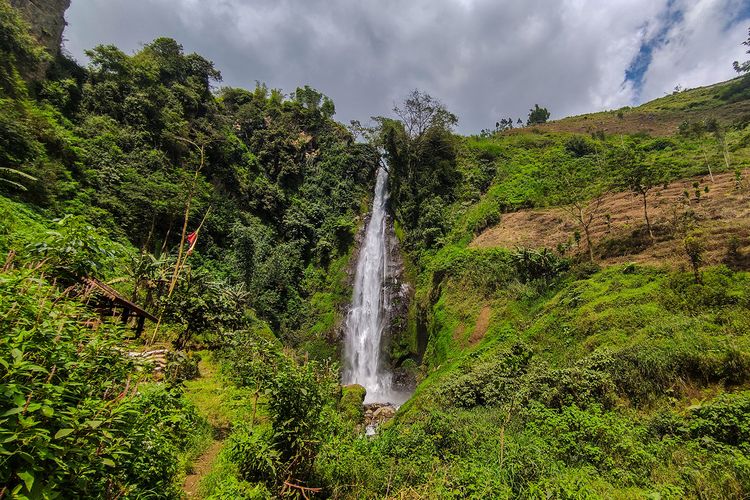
(612, 363)
(547, 375)
(727, 102)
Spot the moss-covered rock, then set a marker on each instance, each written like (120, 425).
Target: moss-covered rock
(350, 405)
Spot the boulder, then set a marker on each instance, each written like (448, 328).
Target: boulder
(350, 404)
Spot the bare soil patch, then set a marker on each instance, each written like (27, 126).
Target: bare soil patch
(480, 329)
(720, 214)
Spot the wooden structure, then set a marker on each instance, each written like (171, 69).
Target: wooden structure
(112, 301)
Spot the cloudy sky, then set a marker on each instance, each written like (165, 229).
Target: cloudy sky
(485, 59)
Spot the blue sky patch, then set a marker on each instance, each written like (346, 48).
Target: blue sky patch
(640, 63)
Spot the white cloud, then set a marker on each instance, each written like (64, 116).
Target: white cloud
(485, 59)
(699, 50)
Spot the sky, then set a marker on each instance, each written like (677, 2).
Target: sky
(484, 59)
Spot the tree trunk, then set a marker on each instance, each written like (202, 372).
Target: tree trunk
(588, 243)
(697, 274)
(708, 164)
(255, 408)
(645, 215)
(726, 158)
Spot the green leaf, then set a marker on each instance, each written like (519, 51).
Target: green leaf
(12, 411)
(108, 462)
(47, 411)
(27, 478)
(62, 433)
(94, 423)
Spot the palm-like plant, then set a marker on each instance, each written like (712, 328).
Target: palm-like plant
(5, 171)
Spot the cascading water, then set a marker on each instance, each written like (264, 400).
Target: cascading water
(367, 318)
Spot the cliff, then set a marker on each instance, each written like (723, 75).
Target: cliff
(47, 20)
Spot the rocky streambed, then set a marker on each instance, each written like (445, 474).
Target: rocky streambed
(376, 414)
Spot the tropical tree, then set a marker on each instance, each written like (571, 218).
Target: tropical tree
(638, 176)
(537, 115)
(743, 67)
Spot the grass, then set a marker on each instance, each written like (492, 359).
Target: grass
(225, 406)
(20, 225)
(661, 347)
(214, 397)
(724, 101)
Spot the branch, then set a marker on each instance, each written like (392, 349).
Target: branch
(303, 489)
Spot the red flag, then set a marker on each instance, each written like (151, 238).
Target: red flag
(191, 239)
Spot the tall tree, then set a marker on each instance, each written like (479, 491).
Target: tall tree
(743, 67)
(637, 175)
(421, 153)
(420, 111)
(537, 115)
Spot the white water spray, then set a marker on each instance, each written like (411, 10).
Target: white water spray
(367, 318)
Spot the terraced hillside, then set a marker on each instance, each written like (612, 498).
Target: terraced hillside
(721, 210)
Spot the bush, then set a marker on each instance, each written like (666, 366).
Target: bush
(75, 249)
(254, 455)
(73, 422)
(351, 401)
(579, 146)
(724, 419)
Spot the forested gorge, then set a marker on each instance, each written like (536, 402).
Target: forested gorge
(604, 353)
(102, 166)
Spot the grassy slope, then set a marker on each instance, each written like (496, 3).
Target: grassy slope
(660, 117)
(612, 352)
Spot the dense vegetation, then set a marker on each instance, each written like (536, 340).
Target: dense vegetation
(542, 374)
(545, 375)
(105, 170)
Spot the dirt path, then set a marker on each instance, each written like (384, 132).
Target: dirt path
(483, 322)
(721, 213)
(209, 394)
(201, 468)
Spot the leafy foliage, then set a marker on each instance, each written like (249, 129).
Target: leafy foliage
(74, 419)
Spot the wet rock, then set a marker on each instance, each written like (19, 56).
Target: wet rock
(384, 413)
(376, 414)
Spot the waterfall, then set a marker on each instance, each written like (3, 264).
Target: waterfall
(367, 319)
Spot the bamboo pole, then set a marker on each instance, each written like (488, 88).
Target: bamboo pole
(177, 267)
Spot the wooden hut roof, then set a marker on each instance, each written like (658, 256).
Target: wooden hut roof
(117, 298)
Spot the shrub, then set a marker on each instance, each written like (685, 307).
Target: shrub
(351, 401)
(579, 146)
(73, 422)
(725, 419)
(254, 455)
(75, 249)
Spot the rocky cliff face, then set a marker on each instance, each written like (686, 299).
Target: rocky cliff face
(47, 20)
(399, 295)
